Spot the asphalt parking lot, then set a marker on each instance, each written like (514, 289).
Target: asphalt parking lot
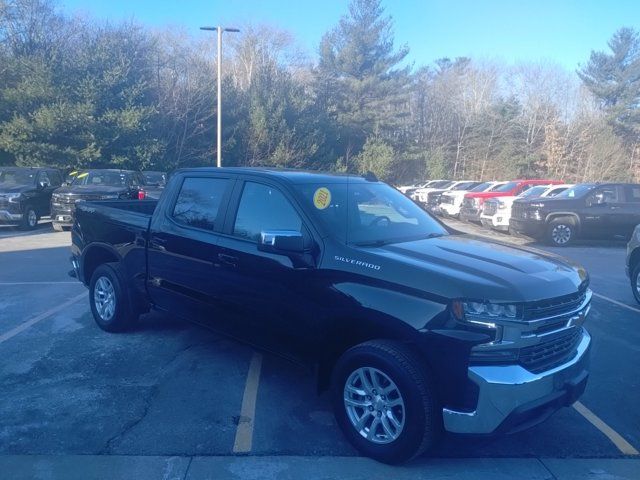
(184, 396)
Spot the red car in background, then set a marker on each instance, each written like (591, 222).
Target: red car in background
(473, 203)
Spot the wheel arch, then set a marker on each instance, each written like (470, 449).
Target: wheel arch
(94, 256)
(572, 215)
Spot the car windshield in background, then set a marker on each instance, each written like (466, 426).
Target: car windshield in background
(17, 177)
(464, 186)
(533, 192)
(154, 178)
(481, 188)
(507, 187)
(102, 178)
(576, 191)
(368, 214)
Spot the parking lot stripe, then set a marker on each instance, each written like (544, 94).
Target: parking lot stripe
(29, 323)
(620, 304)
(617, 439)
(244, 433)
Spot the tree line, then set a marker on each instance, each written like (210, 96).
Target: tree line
(75, 92)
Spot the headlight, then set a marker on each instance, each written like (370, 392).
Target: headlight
(477, 202)
(485, 316)
(535, 215)
(489, 310)
(536, 205)
(109, 197)
(502, 205)
(14, 197)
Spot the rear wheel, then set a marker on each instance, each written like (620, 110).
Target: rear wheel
(29, 218)
(384, 401)
(109, 299)
(561, 232)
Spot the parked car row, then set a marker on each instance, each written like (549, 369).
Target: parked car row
(543, 209)
(30, 193)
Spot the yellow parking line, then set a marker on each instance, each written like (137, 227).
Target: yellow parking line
(244, 433)
(617, 439)
(620, 304)
(29, 323)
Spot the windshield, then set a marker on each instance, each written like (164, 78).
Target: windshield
(533, 192)
(441, 184)
(507, 187)
(17, 177)
(464, 186)
(576, 191)
(102, 178)
(155, 178)
(368, 213)
(482, 187)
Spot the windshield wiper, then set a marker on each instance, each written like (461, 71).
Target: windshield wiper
(373, 243)
(382, 242)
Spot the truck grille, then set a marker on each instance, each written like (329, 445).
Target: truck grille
(447, 199)
(518, 211)
(4, 203)
(554, 306)
(467, 203)
(433, 198)
(490, 208)
(551, 353)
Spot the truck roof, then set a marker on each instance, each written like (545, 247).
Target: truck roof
(289, 175)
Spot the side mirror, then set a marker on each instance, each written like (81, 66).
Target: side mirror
(43, 184)
(281, 241)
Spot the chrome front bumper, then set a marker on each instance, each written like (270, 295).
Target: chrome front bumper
(5, 216)
(507, 391)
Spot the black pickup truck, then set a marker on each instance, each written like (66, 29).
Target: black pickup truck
(414, 328)
(25, 194)
(586, 210)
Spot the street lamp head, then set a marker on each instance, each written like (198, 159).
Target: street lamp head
(209, 28)
(231, 29)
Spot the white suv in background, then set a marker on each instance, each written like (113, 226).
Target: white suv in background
(497, 211)
(451, 202)
(433, 185)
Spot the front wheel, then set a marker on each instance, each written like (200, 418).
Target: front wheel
(385, 402)
(109, 300)
(561, 232)
(635, 282)
(29, 218)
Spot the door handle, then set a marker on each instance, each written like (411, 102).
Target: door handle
(157, 242)
(228, 260)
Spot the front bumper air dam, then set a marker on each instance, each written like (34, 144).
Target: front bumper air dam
(6, 216)
(510, 396)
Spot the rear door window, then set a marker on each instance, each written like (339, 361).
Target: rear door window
(198, 202)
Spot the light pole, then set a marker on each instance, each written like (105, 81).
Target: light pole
(219, 129)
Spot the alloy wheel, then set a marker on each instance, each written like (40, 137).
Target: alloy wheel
(104, 298)
(374, 405)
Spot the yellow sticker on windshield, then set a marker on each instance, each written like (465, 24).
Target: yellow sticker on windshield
(322, 198)
(82, 175)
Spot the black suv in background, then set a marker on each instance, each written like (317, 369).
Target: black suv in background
(25, 194)
(588, 210)
(95, 185)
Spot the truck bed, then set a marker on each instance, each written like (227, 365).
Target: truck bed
(114, 222)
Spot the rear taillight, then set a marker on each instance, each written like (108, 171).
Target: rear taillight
(141, 195)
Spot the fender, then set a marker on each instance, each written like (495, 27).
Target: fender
(573, 215)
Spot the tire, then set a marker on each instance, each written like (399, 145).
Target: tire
(57, 227)
(410, 399)
(29, 218)
(635, 282)
(561, 232)
(111, 317)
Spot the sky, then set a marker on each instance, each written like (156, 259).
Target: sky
(557, 31)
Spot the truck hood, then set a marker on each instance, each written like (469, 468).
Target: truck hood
(488, 194)
(13, 188)
(463, 266)
(80, 190)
